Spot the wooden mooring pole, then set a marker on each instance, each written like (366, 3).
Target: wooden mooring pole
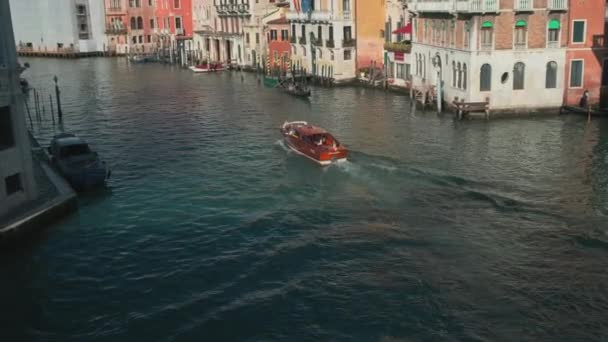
(57, 92)
(52, 109)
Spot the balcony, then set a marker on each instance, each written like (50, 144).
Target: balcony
(329, 43)
(397, 47)
(451, 6)
(522, 5)
(320, 16)
(557, 5)
(302, 40)
(552, 44)
(346, 15)
(349, 42)
(297, 16)
(317, 41)
(179, 31)
(116, 29)
(243, 8)
(599, 41)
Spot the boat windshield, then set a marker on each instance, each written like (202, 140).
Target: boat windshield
(322, 139)
(74, 150)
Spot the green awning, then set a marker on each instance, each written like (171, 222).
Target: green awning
(487, 24)
(554, 24)
(520, 23)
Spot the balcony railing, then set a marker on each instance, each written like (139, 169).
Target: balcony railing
(330, 43)
(397, 47)
(553, 44)
(349, 42)
(523, 5)
(557, 5)
(297, 16)
(519, 46)
(486, 46)
(115, 29)
(347, 15)
(322, 16)
(302, 40)
(599, 41)
(179, 31)
(470, 6)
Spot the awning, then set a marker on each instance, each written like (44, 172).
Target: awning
(554, 25)
(487, 24)
(520, 23)
(407, 29)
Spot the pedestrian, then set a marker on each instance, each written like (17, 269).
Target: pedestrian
(584, 102)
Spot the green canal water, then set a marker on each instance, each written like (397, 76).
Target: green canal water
(210, 230)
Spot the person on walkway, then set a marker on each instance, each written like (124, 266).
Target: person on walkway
(584, 102)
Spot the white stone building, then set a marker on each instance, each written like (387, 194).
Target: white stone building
(17, 185)
(323, 38)
(59, 25)
(397, 46)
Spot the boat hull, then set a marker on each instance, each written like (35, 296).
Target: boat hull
(323, 159)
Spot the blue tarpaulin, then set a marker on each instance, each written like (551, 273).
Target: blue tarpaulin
(307, 5)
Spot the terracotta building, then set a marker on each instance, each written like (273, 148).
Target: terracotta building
(174, 29)
(279, 48)
(586, 53)
(501, 50)
(116, 26)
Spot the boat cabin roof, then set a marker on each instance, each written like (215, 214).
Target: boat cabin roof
(69, 141)
(305, 130)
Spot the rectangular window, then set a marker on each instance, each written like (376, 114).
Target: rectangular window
(257, 38)
(149, 38)
(486, 38)
(467, 33)
(13, 184)
(151, 23)
(284, 35)
(273, 34)
(400, 71)
(605, 73)
(331, 33)
(553, 38)
(347, 55)
(576, 74)
(178, 23)
(348, 35)
(141, 39)
(578, 31)
(346, 5)
(407, 71)
(293, 30)
(320, 33)
(7, 139)
(303, 32)
(150, 3)
(247, 38)
(176, 4)
(520, 37)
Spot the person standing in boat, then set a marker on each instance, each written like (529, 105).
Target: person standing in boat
(584, 102)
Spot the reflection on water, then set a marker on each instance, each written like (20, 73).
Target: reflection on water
(434, 229)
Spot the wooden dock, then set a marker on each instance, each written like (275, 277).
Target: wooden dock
(465, 108)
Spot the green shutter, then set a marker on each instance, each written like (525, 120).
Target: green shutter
(554, 24)
(487, 24)
(578, 34)
(520, 23)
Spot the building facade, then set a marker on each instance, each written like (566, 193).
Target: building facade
(322, 34)
(70, 26)
(587, 53)
(397, 43)
(500, 50)
(256, 44)
(279, 47)
(369, 25)
(117, 26)
(17, 184)
(174, 29)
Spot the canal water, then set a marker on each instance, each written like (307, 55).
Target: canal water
(210, 230)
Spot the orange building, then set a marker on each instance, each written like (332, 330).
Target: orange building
(369, 23)
(586, 53)
(279, 47)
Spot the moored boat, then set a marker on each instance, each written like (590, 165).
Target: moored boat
(75, 161)
(208, 67)
(295, 89)
(313, 142)
(583, 111)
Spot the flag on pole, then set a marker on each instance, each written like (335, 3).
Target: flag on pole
(297, 5)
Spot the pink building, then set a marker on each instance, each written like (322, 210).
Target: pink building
(130, 25)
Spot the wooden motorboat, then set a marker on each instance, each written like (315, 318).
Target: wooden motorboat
(208, 67)
(313, 142)
(75, 161)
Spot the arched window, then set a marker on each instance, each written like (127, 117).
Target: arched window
(519, 73)
(133, 24)
(459, 75)
(551, 77)
(485, 79)
(140, 23)
(137, 3)
(454, 74)
(464, 76)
